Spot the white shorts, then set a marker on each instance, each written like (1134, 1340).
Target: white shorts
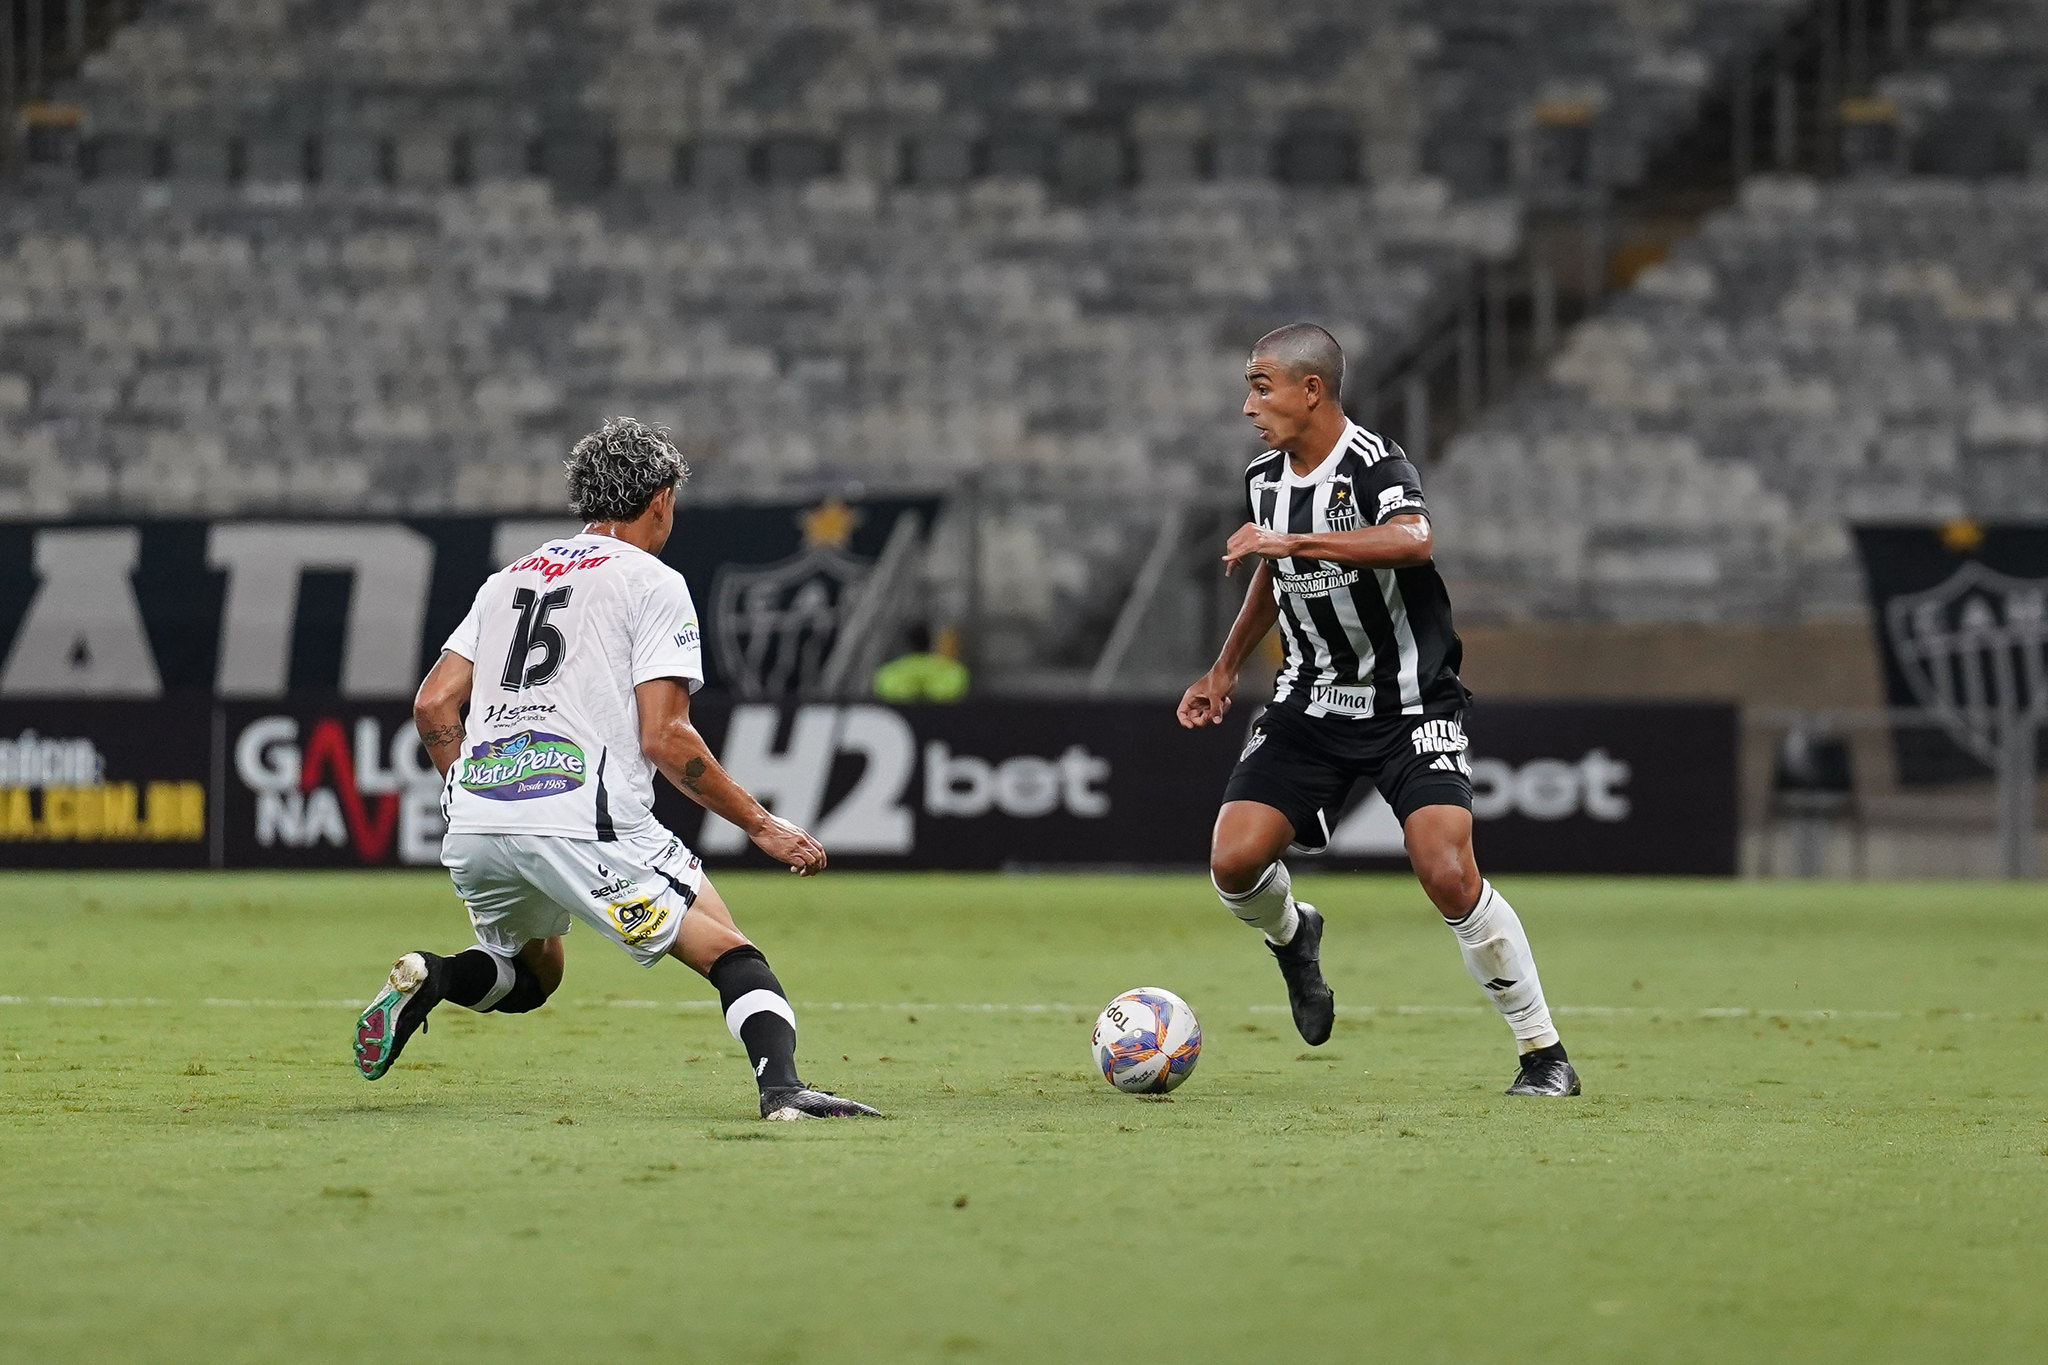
(518, 887)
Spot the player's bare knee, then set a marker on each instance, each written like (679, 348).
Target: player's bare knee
(1236, 869)
(1451, 883)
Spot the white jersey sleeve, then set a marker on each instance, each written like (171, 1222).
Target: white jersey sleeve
(467, 635)
(667, 642)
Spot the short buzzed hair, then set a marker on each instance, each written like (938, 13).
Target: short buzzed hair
(1306, 349)
(615, 471)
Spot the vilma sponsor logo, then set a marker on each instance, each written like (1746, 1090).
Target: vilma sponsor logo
(523, 767)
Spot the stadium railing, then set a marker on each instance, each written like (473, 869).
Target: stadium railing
(1986, 824)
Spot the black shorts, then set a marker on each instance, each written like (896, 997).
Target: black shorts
(1305, 766)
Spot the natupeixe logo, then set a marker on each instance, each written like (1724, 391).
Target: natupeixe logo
(524, 766)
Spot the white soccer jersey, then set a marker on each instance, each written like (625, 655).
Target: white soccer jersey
(560, 639)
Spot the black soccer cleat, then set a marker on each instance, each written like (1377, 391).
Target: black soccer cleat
(417, 983)
(1545, 1072)
(802, 1102)
(1301, 964)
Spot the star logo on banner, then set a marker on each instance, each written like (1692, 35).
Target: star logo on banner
(829, 525)
(1962, 536)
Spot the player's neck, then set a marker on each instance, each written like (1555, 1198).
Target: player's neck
(634, 533)
(1317, 444)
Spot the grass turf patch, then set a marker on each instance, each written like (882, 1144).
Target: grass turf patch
(1815, 1129)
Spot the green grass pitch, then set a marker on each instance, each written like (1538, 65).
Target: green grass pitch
(1815, 1130)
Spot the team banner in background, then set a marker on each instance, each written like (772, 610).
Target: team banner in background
(106, 784)
(1961, 617)
(323, 781)
(793, 597)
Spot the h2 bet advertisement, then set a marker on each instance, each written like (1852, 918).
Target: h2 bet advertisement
(1584, 788)
(235, 694)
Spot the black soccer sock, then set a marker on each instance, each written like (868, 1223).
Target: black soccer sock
(470, 975)
(482, 981)
(758, 1014)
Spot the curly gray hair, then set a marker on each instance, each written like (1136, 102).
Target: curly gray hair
(615, 471)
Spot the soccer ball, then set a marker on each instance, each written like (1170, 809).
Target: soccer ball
(1147, 1041)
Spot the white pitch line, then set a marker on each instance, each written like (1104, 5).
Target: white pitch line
(911, 1006)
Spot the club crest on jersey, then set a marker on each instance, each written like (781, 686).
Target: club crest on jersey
(1342, 513)
(523, 767)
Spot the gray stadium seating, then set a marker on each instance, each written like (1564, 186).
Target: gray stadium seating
(1819, 355)
(200, 346)
(1539, 95)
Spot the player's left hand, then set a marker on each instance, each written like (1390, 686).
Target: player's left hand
(1252, 541)
(791, 845)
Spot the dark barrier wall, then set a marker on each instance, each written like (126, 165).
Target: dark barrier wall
(1961, 615)
(276, 608)
(335, 783)
(106, 784)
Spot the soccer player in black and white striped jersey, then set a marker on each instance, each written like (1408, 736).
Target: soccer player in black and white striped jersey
(1340, 536)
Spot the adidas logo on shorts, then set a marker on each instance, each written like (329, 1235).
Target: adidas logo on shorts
(1446, 739)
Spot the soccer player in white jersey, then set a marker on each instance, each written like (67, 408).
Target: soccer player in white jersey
(577, 664)
(1339, 537)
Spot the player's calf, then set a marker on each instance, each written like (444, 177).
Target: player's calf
(475, 979)
(761, 1019)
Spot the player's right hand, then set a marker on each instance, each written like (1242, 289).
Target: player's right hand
(1206, 701)
(786, 843)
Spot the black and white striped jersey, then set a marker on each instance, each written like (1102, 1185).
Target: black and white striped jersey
(1360, 642)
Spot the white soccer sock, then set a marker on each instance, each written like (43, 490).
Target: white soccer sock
(1268, 906)
(1497, 954)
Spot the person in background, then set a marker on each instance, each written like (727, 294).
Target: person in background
(923, 674)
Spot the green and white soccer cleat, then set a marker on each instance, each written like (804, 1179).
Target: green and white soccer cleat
(400, 1010)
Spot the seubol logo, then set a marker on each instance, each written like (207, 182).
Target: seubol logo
(523, 767)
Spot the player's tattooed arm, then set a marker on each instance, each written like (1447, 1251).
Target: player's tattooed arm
(446, 734)
(437, 710)
(669, 739)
